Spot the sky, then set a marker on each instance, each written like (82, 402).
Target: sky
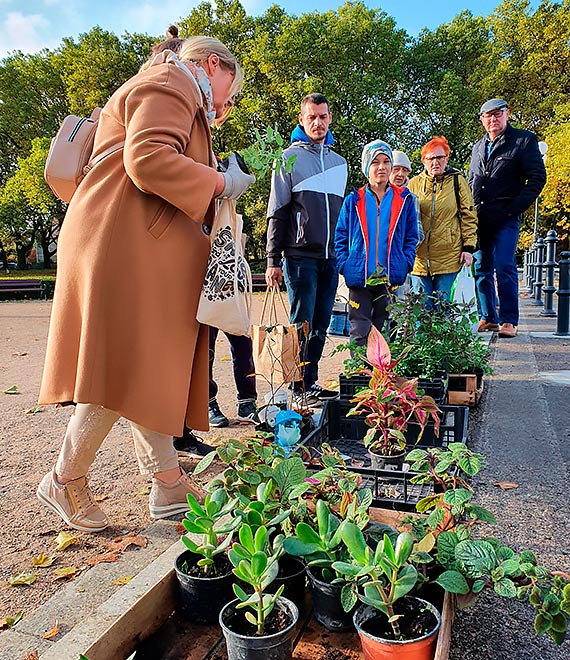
(30, 25)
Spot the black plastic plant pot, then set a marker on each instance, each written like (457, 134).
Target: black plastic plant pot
(394, 462)
(293, 575)
(201, 598)
(375, 647)
(277, 646)
(327, 608)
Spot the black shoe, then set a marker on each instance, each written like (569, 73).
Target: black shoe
(217, 418)
(247, 412)
(191, 444)
(320, 393)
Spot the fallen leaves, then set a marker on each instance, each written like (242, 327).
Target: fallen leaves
(53, 632)
(117, 547)
(124, 579)
(64, 540)
(31, 655)
(100, 498)
(144, 491)
(42, 561)
(505, 485)
(65, 572)
(21, 579)
(12, 390)
(10, 621)
(34, 410)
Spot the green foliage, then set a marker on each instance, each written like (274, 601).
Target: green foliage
(210, 520)
(256, 565)
(266, 154)
(440, 339)
(378, 578)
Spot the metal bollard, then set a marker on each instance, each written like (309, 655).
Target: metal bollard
(525, 267)
(549, 266)
(563, 293)
(537, 285)
(530, 277)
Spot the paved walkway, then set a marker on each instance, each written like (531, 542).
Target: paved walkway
(522, 426)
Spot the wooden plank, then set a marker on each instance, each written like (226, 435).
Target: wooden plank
(444, 637)
(389, 516)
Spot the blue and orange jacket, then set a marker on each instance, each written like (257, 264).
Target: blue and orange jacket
(351, 237)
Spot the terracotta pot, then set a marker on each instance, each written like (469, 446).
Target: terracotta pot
(378, 648)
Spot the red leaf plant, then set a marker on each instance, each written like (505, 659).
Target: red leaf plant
(391, 402)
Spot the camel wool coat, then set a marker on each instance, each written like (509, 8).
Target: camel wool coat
(131, 261)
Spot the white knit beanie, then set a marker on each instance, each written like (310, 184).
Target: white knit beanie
(401, 159)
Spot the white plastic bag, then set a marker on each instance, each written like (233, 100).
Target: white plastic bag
(463, 290)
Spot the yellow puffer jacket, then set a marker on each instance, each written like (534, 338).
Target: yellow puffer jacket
(446, 236)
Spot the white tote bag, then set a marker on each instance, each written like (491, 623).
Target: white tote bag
(226, 297)
(463, 290)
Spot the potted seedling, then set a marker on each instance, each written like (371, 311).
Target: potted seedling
(203, 569)
(266, 630)
(320, 548)
(392, 623)
(389, 405)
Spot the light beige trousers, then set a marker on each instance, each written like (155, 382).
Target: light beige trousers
(89, 426)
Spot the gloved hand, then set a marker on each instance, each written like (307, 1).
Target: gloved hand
(236, 180)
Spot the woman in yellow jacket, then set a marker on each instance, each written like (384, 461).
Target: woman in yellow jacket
(448, 219)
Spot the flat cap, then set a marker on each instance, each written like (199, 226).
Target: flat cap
(493, 104)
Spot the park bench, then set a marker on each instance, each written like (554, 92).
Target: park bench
(17, 286)
(258, 281)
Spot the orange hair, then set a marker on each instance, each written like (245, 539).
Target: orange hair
(437, 141)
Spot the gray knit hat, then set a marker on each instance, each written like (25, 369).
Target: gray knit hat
(401, 159)
(371, 150)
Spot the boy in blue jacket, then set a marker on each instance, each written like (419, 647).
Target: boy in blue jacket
(375, 241)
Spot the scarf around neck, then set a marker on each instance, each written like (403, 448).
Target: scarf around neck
(196, 73)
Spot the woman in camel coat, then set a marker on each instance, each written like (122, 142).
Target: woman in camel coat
(132, 255)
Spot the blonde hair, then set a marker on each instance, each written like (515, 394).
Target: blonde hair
(198, 49)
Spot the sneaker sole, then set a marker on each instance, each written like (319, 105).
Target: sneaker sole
(159, 512)
(220, 425)
(247, 420)
(55, 507)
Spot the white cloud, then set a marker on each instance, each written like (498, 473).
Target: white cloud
(25, 33)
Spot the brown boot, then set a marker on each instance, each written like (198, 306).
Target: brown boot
(507, 330)
(169, 499)
(487, 326)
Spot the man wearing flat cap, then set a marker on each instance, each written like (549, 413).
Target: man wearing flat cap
(506, 176)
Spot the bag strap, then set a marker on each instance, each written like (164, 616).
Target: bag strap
(457, 198)
(273, 294)
(91, 164)
(238, 234)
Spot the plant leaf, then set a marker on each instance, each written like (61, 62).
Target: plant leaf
(43, 561)
(124, 579)
(22, 578)
(12, 390)
(65, 572)
(64, 540)
(52, 633)
(453, 582)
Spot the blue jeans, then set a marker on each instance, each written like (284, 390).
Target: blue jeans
(431, 284)
(496, 252)
(311, 286)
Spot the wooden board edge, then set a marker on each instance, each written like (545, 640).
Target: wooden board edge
(444, 637)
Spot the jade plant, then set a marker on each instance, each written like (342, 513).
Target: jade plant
(212, 521)
(390, 403)
(378, 577)
(255, 564)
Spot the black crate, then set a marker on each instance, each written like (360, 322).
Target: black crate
(349, 386)
(390, 488)
(435, 387)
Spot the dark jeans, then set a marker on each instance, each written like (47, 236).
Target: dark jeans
(242, 359)
(311, 287)
(496, 252)
(367, 307)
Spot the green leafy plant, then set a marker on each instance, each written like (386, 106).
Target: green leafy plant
(266, 153)
(211, 520)
(391, 402)
(378, 577)
(435, 340)
(320, 547)
(256, 565)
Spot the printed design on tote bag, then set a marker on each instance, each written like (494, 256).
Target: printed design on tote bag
(219, 281)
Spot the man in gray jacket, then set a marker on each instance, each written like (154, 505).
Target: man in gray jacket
(301, 219)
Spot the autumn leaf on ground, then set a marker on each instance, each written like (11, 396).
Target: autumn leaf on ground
(121, 543)
(125, 579)
(105, 557)
(31, 655)
(22, 578)
(19, 354)
(505, 485)
(225, 358)
(64, 540)
(34, 410)
(180, 529)
(100, 498)
(43, 561)
(10, 621)
(144, 491)
(12, 390)
(66, 572)
(53, 632)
